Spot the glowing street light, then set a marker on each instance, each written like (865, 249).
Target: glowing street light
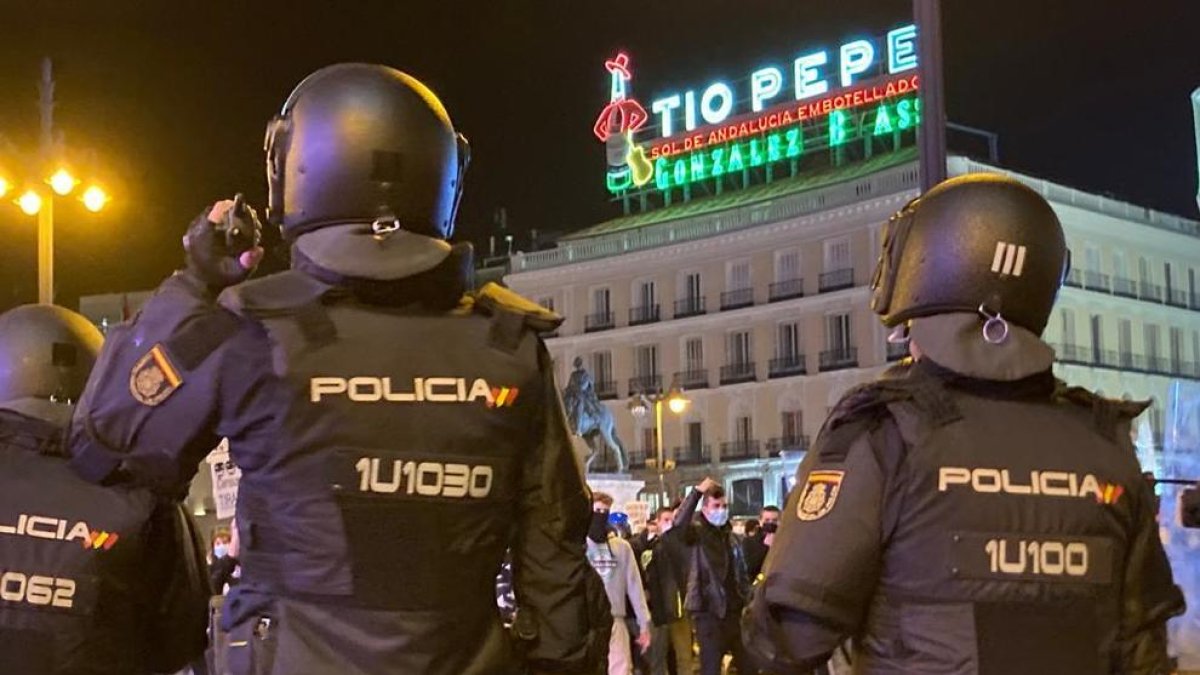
(640, 404)
(4, 187)
(94, 198)
(30, 202)
(62, 182)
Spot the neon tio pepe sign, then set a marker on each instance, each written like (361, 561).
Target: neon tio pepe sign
(825, 98)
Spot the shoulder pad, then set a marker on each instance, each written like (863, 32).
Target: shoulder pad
(867, 401)
(273, 294)
(1084, 398)
(493, 299)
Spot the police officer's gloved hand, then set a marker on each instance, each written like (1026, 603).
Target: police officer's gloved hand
(209, 257)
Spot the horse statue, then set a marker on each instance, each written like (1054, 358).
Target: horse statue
(590, 419)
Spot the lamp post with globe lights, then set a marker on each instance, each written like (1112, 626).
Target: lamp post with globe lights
(640, 405)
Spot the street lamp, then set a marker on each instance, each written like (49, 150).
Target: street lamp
(639, 405)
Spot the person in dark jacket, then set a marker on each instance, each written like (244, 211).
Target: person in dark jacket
(397, 430)
(968, 513)
(94, 580)
(757, 544)
(717, 583)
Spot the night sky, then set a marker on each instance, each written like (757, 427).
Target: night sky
(173, 97)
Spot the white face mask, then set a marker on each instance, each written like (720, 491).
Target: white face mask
(220, 550)
(717, 517)
(664, 528)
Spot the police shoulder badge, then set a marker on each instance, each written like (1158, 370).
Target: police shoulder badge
(154, 377)
(819, 495)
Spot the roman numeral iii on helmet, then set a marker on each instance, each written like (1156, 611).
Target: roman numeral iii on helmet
(979, 240)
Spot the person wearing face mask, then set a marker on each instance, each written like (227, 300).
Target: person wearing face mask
(717, 581)
(665, 587)
(757, 546)
(613, 559)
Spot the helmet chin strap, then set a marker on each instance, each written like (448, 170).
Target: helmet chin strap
(995, 327)
(900, 335)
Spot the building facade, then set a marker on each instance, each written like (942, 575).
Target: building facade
(757, 305)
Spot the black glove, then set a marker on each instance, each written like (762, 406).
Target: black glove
(213, 248)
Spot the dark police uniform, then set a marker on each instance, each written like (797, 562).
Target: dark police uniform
(390, 453)
(962, 525)
(100, 580)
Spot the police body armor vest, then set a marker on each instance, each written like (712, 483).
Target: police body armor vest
(75, 590)
(990, 491)
(392, 481)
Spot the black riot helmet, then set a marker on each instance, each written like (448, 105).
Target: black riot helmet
(976, 243)
(46, 352)
(361, 143)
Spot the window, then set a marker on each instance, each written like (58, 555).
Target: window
(646, 294)
(1097, 337)
(646, 360)
(693, 355)
(787, 266)
(837, 254)
(1091, 256)
(1192, 286)
(743, 429)
(601, 301)
(1196, 347)
(737, 275)
(1150, 337)
(1167, 279)
(602, 368)
(1120, 269)
(1144, 273)
(649, 439)
(1068, 326)
(691, 286)
(1176, 339)
(695, 435)
(837, 333)
(1124, 337)
(746, 497)
(547, 302)
(787, 342)
(791, 424)
(738, 350)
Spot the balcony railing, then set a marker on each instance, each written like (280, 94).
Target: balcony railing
(736, 299)
(1124, 287)
(836, 280)
(1149, 291)
(693, 379)
(1178, 298)
(692, 306)
(645, 384)
(781, 444)
(598, 321)
(740, 449)
(1095, 281)
(837, 359)
(897, 351)
(786, 366)
(606, 390)
(693, 454)
(1119, 360)
(644, 314)
(1074, 278)
(786, 290)
(735, 373)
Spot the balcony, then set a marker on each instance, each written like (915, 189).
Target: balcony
(643, 315)
(785, 290)
(693, 454)
(1120, 360)
(637, 459)
(606, 390)
(693, 306)
(1074, 278)
(897, 351)
(1095, 281)
(737, 299)
(645, 384)
(838, 359)
(732, 451)
(736, 373)
(776, 446)
(786, 366)
(1149, 291)
(1072, 353)
(598, 322)
(836, 280)
(1177, 298)
(692, 379)
(1124, 287)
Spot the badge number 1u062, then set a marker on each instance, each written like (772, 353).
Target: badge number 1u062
(154, 377)
(819, 495)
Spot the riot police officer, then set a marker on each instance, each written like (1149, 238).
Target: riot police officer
(968, 513)
(93, 579)
(396, 432)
